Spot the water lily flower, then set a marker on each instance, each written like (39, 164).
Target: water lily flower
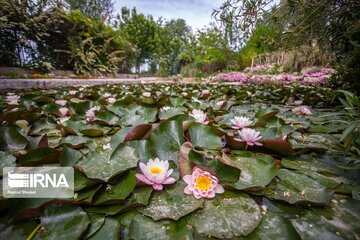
(61, 102)
(62, 120)
(63, 111)
(220, 103)
(199, 116)
(90, 114)
(205, 92)
(156, 173)
(165, 108)
(146, 94)
(298, 102)
(184, 94)
(250, 136)
(202, 184)
(106, 146)
(12, 99)
(302, 110)
(107, 95)
(240, 122)
(111, 100)
(72, 92)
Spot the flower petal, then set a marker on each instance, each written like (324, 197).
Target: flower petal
(157, 186)
(143, 178)
(219, 189)
(188, 179)
(169, 180)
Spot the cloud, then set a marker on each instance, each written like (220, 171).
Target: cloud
(197, 13)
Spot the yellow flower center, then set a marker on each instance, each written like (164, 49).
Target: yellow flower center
(203, 183)
(155, 170)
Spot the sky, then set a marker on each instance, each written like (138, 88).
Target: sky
(197, 13)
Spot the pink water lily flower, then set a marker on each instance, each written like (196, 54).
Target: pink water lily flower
(202, 184)
(111, 100)
(91, 113)
(250, 136)
(12, 99)
(61, 102)
(240, 122)
(156, 173)
(63, 111)
(302, 110)
(199, 116)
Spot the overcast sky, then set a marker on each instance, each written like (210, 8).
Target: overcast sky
(197, 13)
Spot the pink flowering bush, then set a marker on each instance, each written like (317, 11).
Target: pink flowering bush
(310, 76)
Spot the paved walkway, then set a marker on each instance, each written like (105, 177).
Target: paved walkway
(54, 83)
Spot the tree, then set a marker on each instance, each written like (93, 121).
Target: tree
(142, 32)
(94, 9)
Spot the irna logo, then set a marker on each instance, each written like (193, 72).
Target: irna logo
(33, 180)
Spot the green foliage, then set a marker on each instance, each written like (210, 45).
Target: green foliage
(43, 36)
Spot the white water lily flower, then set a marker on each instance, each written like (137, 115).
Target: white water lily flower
(146, 94)
(63, 111)
(220, 103)
(156, 173)
(111, 100)
(61, 102)
(165, 108)
(184, 94)
(62, 120)
(250, 136)
(106, 146)
(107, 95)
(12, 99)
(302, 110)
(240, 122)
(298, 102)
(199, 116)
(90, 114)
(72, 92)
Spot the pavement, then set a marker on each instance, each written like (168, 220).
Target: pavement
(55, 82)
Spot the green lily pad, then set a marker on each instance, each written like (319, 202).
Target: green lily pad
(119, 191)
(227, 216)
(97, 221)
(139, 197)
(143, 228)
(256, 171)
(93, 131)
(69, 157)
(170, 113)
(10, 139)
(109, 230)
(39, 156)
(204, 136)
(294, 187)
(63, 222)
(274, 226)
(106, 164)
(172, 203)
(6, 160)
(338, 222)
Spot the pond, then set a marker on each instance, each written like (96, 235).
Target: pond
(227, 161)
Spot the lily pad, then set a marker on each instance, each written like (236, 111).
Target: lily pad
(204, 136)
(172, 203)
(256, 171)
(106, 164)
(294, 187)
(63, 222)
(10, 139)
(227, 216)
